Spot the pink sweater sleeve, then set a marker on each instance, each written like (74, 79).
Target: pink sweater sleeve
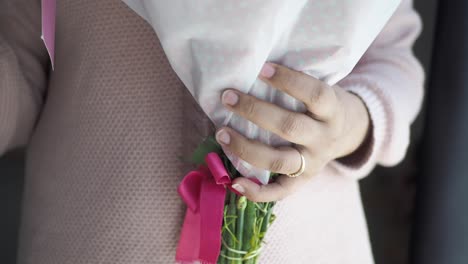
(389, 79)
(23, 62)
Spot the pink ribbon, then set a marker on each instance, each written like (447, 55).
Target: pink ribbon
(48, 27)
(204, 192)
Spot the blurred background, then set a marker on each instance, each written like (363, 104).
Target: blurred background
(389, 194)
(415, 211)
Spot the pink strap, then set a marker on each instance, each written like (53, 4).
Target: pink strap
(204, 192)
(48, 27)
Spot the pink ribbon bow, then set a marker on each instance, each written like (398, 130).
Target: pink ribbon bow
(204, 192)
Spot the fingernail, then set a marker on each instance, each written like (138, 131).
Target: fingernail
(238, 188)
(230, 98)
(223, 137)
(267, 70)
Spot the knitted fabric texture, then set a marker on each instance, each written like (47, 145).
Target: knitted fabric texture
(105, 133)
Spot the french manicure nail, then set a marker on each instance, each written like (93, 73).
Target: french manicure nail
(238, 188)
(267, 71)
(230, 98)
(223, 137)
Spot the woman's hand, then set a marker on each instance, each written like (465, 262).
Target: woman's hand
(334, 126)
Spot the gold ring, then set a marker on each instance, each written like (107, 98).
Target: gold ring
(301, 169)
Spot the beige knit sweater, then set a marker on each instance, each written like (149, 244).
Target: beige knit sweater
(107, 128)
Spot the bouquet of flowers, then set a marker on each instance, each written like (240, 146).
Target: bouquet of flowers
(215, 45)
(244, 223)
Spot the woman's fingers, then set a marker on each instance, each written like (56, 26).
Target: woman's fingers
(315, 132)
(275, 191)
(319, 98)
(295, 127)
(280, 160)
(283, 185)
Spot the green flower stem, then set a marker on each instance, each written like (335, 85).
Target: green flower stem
(249, 222)
(232, 211)
(266, 220)
(224, 234)
(263, 226)
(241, 205)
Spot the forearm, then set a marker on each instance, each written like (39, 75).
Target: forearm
(18, 108)
(389, 79)
(23, 64)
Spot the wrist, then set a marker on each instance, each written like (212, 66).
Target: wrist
(361, 153)
(356, 126)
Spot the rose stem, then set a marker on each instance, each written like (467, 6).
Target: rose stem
(241, 204)
(232, 224)
(249, 221)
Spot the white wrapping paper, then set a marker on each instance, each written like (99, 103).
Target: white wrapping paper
(217, 44)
